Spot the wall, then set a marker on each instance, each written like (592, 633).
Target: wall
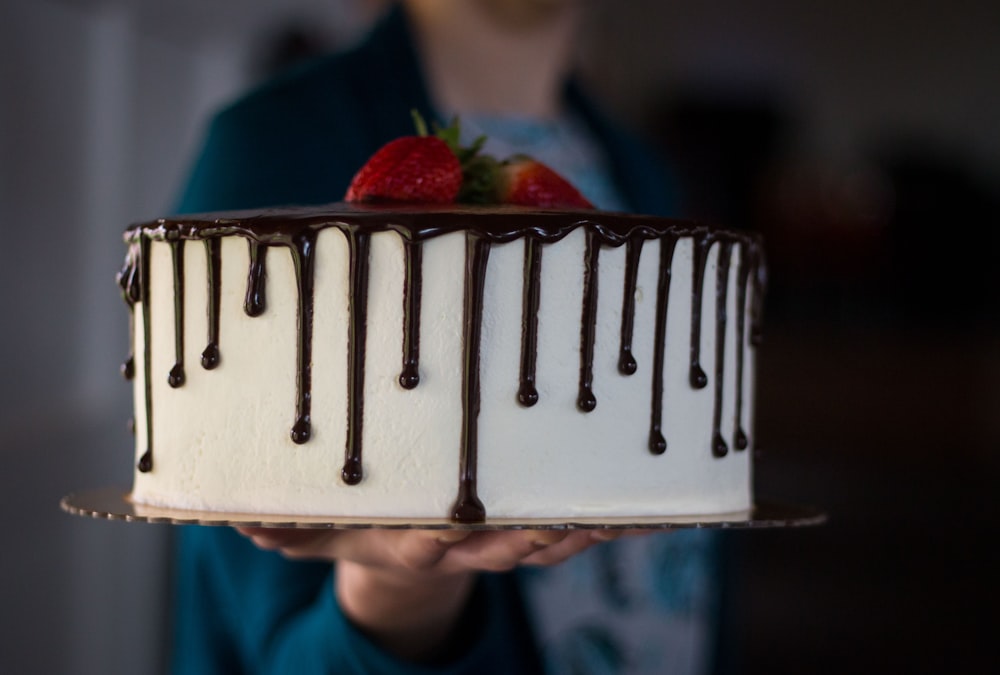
(851, 71)
(98, 122)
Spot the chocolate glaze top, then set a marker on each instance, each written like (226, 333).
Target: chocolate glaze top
(497, 223)
(295, 228)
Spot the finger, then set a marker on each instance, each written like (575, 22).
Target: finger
(406, 549)
(643, 532)
(424, 549)
(502, 550)
(298, 544)
(273, 538)
(576, 542)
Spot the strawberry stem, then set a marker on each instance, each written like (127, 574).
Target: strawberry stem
(418, 122)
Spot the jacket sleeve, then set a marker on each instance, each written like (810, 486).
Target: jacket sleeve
(242, 610)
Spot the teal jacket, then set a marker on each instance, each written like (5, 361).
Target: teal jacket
(298, 139)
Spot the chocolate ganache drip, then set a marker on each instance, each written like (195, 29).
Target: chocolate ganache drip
(468, 508)
(128, 278)
(256, 297)
(177, 376)
(626, 362)
(702, 241)
(657, 443)
(128, 366)
(527, 392)
(740, 440)
(719, 446)
(412, 286)
(359, 248)
(128, 282)
(304, 260)
(297, 229)
(146, 461)
(585, 400)
(213, 251)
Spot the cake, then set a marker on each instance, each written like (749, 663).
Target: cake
(463, 363)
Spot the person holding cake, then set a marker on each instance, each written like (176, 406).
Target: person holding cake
(451, 601)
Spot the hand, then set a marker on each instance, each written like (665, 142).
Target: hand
(429, 553)
(407, 588)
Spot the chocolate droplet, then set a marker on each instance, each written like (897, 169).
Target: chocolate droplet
(210, 357)
(741, 441)
(469, 510)
(177, 376)
(302, 430)
(719, 447)
(352, 472)
(698, 377)
(626, 363)
(527, 395)
(410, 377)
(657, 443)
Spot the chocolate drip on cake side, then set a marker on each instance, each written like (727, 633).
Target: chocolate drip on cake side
(303, 248)
(146, 461)
(626, 361)
(213, 252)
(409, 377)
(359, 247)
(740, 440)
(701, 242)
(468, 508)
(527, 392)
(256, 297)
(298, 232)
(585, 400)
(657, 442)
(128, 366)
(128, 282)
(177, 376)
(719, 446)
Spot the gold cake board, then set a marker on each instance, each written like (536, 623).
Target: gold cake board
(115, 504)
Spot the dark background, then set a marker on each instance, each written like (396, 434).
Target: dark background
(860, 140)
(877, 393)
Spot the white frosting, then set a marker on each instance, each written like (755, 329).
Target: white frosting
(222, 440)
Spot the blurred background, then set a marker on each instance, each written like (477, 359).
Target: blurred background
(861, 138)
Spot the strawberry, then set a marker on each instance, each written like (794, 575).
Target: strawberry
(435, 169)
(527, 182)
(422, 169)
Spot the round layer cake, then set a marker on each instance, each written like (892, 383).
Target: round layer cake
(463, 363)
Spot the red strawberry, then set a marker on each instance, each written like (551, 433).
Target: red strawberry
(528, 182)
(420, 169)
(437, 170)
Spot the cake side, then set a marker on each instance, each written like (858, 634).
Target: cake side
(397, 364)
